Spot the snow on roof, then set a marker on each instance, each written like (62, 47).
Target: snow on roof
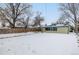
(60, 25)
(57, 25)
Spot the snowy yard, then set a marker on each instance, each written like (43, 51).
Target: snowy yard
(38, 43)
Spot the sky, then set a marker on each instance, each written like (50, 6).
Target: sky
(50, 11)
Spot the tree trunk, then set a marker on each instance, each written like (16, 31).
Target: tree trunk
(13, 23)
(41, 28)
(76, 28)
(27, 21)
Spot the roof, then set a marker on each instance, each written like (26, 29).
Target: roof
(58, 25)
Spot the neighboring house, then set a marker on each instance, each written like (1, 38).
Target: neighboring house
(4, 25)
(58, 28)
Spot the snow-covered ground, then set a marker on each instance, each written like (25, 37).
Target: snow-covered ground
(11, 35)
(38, 43)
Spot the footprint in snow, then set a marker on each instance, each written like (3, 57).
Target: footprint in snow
(33, 51)
(9, 49)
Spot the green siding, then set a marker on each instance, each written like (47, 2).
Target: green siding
(64, 29)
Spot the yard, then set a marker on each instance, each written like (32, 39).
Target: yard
(38, 43)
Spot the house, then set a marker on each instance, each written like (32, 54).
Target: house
(56, 28)
(4, 25)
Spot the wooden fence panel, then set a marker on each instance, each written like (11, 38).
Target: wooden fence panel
(19, 30)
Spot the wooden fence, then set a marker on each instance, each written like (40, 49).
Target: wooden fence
(18, 30)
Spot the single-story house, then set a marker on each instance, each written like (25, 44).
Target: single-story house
(59, 28)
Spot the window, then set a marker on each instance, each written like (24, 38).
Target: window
(51, 29)
(48, 28)
(54, 28)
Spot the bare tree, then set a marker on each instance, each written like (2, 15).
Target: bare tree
(70, 11)
(38, 20)
(29, 15)
(14, 11)
(60, 21)
(25, 21)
